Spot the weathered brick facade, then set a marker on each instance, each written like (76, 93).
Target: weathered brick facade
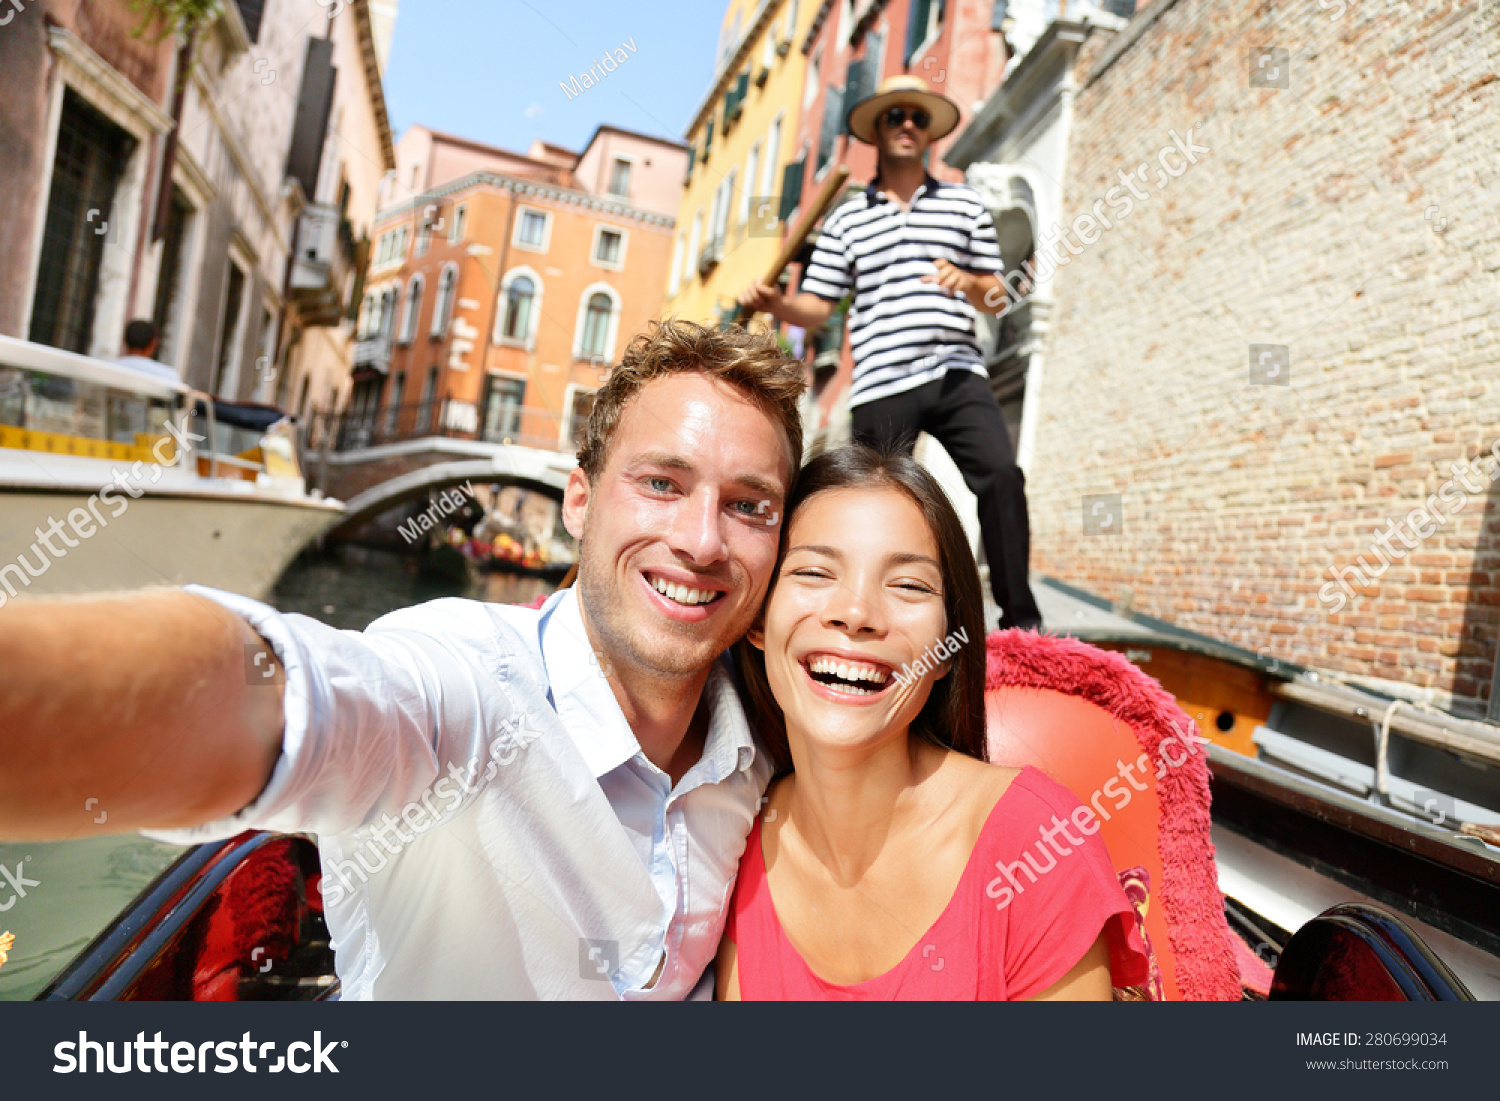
(1348, 217)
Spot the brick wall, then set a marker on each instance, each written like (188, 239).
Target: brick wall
(1349, 218)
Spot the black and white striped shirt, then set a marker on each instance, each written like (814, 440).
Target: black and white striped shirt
(904, 332)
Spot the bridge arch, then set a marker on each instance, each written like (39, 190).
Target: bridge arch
(544, 471)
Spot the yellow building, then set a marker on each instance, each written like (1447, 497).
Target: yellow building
(742, 143)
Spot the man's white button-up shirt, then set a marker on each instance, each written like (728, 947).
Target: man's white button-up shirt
(488, 824)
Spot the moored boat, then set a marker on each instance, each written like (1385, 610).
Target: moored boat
(111, 478)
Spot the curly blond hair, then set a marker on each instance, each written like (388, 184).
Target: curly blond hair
(750, 361)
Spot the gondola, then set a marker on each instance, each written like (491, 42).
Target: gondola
(1353, 851)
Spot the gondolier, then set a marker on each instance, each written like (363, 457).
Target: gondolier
(918, 255)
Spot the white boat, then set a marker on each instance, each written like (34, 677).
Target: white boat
(112, 478)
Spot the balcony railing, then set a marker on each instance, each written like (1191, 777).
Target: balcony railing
(372, 353)
(445, 418)
(320, 269)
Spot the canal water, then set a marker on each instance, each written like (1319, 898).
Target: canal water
(57, 897)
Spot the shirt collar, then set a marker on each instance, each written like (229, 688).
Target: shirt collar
(592, 717)
(929, 184)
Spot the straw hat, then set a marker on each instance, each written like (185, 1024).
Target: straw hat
(902, 90)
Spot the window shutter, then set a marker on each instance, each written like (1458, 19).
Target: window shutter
(314, 105)
(250, 13)
(855, 86)
(791, 188)
(832, 108)
(916, 28)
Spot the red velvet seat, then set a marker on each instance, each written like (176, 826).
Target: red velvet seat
(1094, 722)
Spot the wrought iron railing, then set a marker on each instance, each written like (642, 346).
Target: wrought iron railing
(444, 418)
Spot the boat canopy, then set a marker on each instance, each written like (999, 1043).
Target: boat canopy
(27, 356)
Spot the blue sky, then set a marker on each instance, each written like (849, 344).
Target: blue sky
(490, 69)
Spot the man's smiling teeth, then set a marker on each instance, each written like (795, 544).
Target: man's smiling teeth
(848, 671)
(681, 593)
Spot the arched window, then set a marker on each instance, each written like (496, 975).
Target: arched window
(518, 300)
(519, 308)
(442, 305)
(598, 318)
(412, 317)
(389, 309)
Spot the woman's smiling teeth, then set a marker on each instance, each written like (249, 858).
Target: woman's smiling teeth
(843, 676)
(682, 594)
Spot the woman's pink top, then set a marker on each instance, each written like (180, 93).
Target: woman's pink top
(1026, 910)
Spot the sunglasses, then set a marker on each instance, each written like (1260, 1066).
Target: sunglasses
(896, 117)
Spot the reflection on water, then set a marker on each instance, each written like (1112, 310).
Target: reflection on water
(74, 888)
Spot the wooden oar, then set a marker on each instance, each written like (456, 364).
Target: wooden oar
(833, 186)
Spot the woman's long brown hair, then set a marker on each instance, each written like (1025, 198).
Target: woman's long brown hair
(953, 716)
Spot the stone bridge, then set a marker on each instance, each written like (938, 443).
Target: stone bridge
(375, 480)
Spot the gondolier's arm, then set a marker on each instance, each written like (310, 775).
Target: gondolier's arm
(805, 310)
(130, 712)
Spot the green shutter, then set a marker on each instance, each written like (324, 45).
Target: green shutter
(916, 28)
(855, 87)
(791, 189)
(833, 104)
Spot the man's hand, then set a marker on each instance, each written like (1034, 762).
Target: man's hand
(761, 297)
(956, 281)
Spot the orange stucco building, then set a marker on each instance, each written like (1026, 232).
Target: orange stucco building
(496, 301)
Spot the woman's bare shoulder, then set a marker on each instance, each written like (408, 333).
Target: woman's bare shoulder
(979, 785)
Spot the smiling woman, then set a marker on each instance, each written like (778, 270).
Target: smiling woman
(886, 820)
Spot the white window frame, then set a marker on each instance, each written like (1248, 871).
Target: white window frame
(98, 84)
(406, 332)
(768, 180)
(674, 276)
(443, 319)
(229, 382)
(620, 158)
(509, 376)
(529, 340)
(546, 215)
(459, 225)
(813, 80)
(599, 230)
(195, 188)
(612, 330)
(695, 243)
(752, 164)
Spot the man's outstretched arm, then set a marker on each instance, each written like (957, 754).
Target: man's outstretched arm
(139, 707)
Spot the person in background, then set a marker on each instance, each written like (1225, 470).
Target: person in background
(920, 257)
(141, 345)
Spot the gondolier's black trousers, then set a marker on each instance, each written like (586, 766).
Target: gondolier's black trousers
(961, 413)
